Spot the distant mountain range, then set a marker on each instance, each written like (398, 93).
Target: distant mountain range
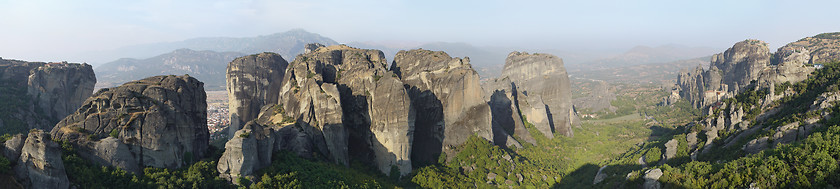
(207, 66)
(203, 58)
(288, 44)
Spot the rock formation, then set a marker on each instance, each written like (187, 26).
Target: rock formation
(450, 101)
(539, 88)
(58, 89)
(749, 64)
(158, 121)
(39, 94)
(652, 179)
(340, 102)
(248, 151)
(39, 164)
(249, 86)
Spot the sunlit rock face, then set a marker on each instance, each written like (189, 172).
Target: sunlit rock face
(252, 82)
(159, 121)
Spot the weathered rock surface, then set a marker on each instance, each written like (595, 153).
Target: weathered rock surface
(58, 89)
(12, 147)
(394, 127)
(40, 164)
(158, 121)
(544, 83)
(247, 152)
(249, 86)
(652, 179)
(450, 101)
(46, 92)
(600, 176)
(756, 145)
(347, 103)
(671, 149)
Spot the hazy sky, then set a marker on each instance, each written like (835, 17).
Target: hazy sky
(56, 30)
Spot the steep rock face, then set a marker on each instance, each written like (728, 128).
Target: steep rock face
(158, 121)
(450, 101)
(541, 88)
(393, 127)
(39, 94)
(58, 89)
(506, 119)
(247, 152)
(40, 164)
(12, 147)
(345, 103)
(249, 86)
(739, 65)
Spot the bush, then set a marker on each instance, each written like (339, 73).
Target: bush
(653, 155)
(115, 133)
(5, 165)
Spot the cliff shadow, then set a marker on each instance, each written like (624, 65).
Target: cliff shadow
(357, 121)
(615, 176)
(501, 117)
(429, 126)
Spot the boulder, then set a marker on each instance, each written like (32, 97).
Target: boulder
(247, 152)
(671, 149)
(161, 120)
(652, 179)
(40, 164)
(756, 145)
(252, 82)
(12, 147)
(600, 176)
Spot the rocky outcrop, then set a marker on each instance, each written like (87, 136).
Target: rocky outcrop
(450, 101)
(251, 84)
(652, 179)
(43, 93)
(39, 164)
(671, 149)
(393, 127)
(507, 122)
(12, 147)
(58, 89)
(540, 90)
(247, 152)
(158, 121)
(348, 104)
(750, 62)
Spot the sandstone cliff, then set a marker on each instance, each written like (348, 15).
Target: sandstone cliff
(59, 89)
(37, 95)
(37, 161)
(538, 86)
(341, 102)
(251, 84)
(450, 101)
(158, 121)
